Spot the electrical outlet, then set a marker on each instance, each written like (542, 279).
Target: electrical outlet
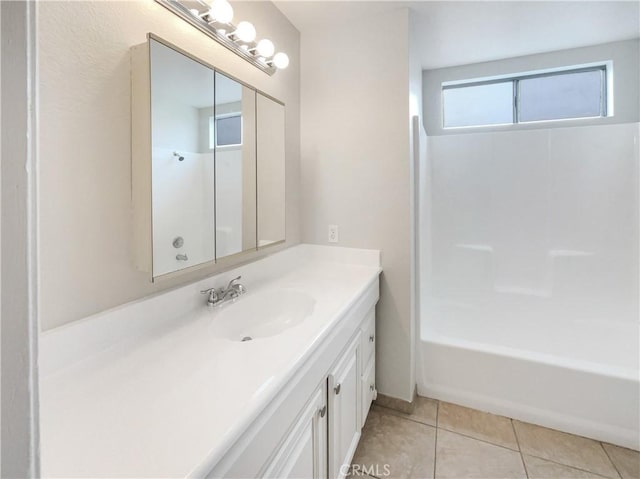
(333, 233)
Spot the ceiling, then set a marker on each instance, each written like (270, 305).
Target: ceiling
(461, 32)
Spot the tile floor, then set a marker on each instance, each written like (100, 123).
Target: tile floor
(445, 441)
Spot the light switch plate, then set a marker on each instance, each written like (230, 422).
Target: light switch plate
(333, 233)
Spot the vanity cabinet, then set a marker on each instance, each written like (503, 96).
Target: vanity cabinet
(312, 429)
(304, 451)
(344, 408)
(368, 369)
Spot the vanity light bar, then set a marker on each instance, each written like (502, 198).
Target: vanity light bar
(240, 38)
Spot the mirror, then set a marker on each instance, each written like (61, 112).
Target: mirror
(233, 132)
(208, 168)
(182, 90)
(271, 171)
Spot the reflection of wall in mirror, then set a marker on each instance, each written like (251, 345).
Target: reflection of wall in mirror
(236, 182)
(249, 169)
(271, 171)
(183, 206)
(229, 201)
(228, 186)
(182, 190)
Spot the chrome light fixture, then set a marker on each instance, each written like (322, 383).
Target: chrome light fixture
(215, 17)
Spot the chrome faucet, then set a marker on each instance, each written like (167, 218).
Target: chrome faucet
(212, 299)
(232, 291)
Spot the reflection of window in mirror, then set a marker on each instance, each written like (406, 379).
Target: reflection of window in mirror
(225, 130)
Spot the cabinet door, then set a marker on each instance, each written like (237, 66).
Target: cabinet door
(368, 389)
(304, 453)
(344, 410)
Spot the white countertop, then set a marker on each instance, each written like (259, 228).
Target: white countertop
(171, 399)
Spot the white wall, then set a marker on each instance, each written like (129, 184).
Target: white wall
(84, 142)
(626, 75)
(356, 165)
(229, 201)
(534, 229)
(270, 193)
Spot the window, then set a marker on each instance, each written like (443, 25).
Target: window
(225, 130)
(485, 104)
(566, 95)
(556, 95)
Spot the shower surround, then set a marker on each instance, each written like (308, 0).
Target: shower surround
(529, 276)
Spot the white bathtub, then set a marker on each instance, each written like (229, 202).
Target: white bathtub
(576, 376)
(528, 277)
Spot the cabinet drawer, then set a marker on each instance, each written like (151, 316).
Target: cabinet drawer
(368, 336)
(368, 385)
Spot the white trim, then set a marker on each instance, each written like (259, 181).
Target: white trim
(607, 64)
(542, 417)
(606, 109)
(19, 203)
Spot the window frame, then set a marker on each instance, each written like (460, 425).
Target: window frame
(213, 125)
(605, 97)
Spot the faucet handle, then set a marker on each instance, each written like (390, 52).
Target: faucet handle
(233, 281)
(213, 295)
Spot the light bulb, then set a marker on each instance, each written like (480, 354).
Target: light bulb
(221, 11)
(265, 48)
(245, 31)
(281, 60)
(194, 12)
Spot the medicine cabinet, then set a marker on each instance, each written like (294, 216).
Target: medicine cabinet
(208, 163)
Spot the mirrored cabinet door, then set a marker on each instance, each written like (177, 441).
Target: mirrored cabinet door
(271, 171)
(208, 168)
(233, 132)
(183, 191)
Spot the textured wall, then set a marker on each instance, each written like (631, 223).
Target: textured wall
(85, 160)
(356, 165)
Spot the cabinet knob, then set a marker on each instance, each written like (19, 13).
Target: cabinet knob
(372, 338)
(337, 388)
(323, 410)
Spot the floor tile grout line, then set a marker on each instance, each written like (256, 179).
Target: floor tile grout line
(609, 457)
(570, 466)
(402, 415)
(561, 463)
(477, 439)
(435, 442)
(515, 434)
(448, 430)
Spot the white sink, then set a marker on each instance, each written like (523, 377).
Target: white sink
(263, 314)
